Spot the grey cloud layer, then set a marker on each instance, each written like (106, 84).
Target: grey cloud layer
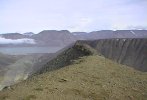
(17, 41)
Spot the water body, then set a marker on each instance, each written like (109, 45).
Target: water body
(28, 50)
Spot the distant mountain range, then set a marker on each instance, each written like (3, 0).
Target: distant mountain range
(106, 34)
(64, 37)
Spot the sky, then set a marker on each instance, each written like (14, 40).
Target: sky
(73, 15)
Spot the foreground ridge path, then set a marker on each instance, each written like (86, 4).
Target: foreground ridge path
(89, 78)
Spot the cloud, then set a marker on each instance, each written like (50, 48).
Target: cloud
(81, 24)
(87, 15)
(17, 41)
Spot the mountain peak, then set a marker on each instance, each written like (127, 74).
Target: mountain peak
(54, 31)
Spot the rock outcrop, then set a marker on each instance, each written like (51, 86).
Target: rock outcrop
(131, 52)
(66, 56)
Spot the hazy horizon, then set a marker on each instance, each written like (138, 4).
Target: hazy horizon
(141, 29)
(73, 15)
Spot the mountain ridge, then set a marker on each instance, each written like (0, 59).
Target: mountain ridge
(130, 52)
(65, 37)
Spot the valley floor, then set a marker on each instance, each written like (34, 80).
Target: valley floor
(89, 78)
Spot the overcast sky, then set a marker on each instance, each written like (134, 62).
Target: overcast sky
(74, 15)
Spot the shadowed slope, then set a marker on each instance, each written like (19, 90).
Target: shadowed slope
(131, 52)
(66, 57)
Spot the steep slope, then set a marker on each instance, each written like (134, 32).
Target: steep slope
(6, 60)
(20, 69)
(66, 56)
(89, 78)
(132, 52)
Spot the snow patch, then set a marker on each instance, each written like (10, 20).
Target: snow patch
(133, 33)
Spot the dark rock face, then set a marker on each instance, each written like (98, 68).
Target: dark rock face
(131, 52)
(65, 57)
